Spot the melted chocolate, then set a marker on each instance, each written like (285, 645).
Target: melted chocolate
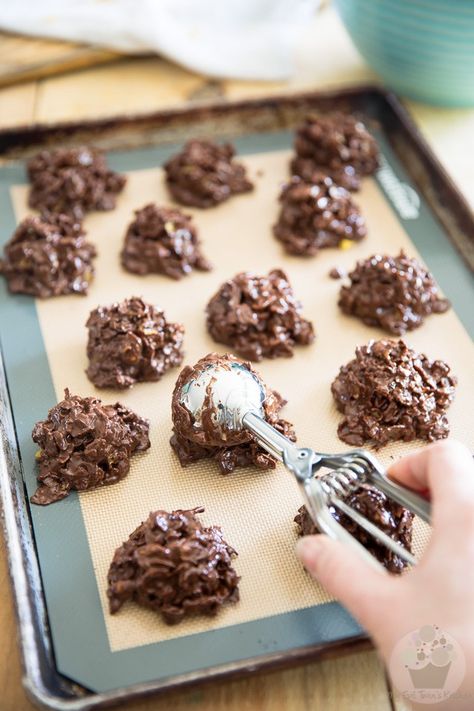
(48, 256)
(393, 293)
(390, 517)
(175, 566)
(73, 181)
(388, 392)
(162, 240)
(258, 316)
(337, 144)
(205, 174)
(131, 342)
(316, 215)
(85, 444)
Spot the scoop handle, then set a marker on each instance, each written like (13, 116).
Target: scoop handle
(268, 437)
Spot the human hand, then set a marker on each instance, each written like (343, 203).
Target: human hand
(439, 590)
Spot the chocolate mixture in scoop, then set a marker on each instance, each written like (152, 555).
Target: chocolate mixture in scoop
(85, 444)
(162, 240)
(73, 180)
(231, 449)
(131, 342)
(388, 392)
(337, 144)
(390, 517)
(394, 293)
(258, 316)
(205, 174)
(174, 565)
(316, 215)
(48, 256)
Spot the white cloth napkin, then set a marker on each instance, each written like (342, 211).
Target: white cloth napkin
(246, 39)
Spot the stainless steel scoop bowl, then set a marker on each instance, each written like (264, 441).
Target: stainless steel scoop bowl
(237, 396)
(235, 392)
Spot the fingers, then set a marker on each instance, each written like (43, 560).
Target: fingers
(443, 468)
(446, 470)
(363, 590)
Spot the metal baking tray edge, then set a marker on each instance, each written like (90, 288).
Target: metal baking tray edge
(43, 684)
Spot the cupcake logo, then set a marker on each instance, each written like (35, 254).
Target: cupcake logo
(427, 665)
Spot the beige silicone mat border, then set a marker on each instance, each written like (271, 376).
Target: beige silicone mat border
(255, 509)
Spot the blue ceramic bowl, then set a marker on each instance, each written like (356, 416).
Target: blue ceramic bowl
(423, 49)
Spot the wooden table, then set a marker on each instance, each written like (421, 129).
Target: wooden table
(326, 58)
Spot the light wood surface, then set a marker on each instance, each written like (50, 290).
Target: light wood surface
(325, 58)
(27, 59)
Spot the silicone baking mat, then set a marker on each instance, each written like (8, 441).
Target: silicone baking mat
(44, 350)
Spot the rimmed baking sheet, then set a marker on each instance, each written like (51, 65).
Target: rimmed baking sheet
(44, 351)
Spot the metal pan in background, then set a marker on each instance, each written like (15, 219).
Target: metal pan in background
(42, 680)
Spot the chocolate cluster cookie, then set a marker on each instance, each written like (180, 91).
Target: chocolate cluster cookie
(73, 181)
(174, 565)
(336, 144)
(162, 240)
(194, 440)
(388, 392)
(85, 444)
(131, 342)
(317, 214)
(48, 256)
(386, 514)
(205, 174)
(258, 316)
(394, 293)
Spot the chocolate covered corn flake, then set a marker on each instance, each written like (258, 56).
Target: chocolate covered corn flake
(205, 174)
(48, 256)
(131, 342)
(336, 144)
(162, 240)
(387, 515)
(174, 565)
(85, 444)
(317, 215)
(388, 392)
(258, 316)
(393, 293)
(73, 181)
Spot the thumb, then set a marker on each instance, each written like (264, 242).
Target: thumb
(363, 590)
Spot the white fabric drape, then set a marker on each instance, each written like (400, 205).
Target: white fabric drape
(246, 39)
